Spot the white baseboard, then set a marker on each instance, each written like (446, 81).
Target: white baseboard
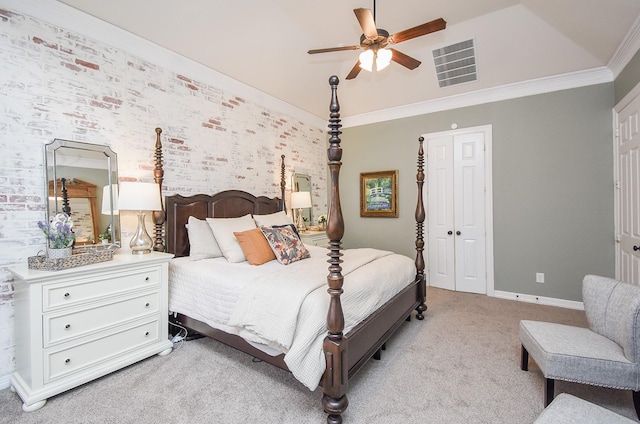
(5, 382)
(562, 303)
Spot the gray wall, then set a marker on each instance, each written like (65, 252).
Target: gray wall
(552, 185)
(628, 78)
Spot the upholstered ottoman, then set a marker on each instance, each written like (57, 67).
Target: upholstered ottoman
(568, 409)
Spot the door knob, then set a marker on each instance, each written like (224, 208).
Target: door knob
(636, 248)
(450, 232)
(458, 233)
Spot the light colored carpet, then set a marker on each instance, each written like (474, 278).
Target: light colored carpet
(460, 365)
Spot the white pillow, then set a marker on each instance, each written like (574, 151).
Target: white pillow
(223, 229)
(269, 220)
(202, 243)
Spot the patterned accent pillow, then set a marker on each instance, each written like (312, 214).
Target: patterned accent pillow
(285, 243)
(290, 226)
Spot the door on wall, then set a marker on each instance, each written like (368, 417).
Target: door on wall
(456, 211)
(627, 157)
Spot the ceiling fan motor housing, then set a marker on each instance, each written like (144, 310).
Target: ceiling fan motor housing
(379, 42)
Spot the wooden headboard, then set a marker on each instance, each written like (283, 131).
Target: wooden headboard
(172, 220)
(225, 204)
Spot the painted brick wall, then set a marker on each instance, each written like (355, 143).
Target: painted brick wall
(59, 84)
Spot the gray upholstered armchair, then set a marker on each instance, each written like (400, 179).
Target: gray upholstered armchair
(605, 354)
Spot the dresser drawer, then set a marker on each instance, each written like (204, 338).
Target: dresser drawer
(63, 362)
(77, 291)
(62, 327)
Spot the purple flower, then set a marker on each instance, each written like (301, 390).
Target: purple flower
(59, 231)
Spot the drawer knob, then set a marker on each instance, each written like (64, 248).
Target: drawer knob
(146, 278)
(67, 361)
(68, 326)
(67, 295)
(146, 334)
(146, 305)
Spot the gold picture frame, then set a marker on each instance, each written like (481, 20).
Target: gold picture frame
(379, 194)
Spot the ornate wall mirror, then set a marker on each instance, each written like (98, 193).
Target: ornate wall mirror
(302, 182)
(81, 180)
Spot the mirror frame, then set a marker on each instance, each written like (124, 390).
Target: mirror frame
(54, 157)
(306, 213)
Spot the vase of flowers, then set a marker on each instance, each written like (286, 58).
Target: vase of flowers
(60, 236)
(322, 221)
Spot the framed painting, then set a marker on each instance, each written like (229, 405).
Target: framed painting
(379, 194)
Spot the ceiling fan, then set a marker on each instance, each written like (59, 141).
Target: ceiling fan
(374, 42)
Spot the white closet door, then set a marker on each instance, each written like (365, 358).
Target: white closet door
(440, 212)
(628, 194)
(456, 211)
(469, 212)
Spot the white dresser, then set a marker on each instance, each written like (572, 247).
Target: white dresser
(315, 238)
(75, 325)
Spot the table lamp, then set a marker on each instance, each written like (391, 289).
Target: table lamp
(300, 200)
(141, 197)
(107, 192)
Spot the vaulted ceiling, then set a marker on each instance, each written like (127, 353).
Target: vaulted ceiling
(264, 43)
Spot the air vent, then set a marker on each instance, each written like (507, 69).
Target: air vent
(455, 64)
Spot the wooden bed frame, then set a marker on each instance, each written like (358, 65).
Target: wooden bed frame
(345, 353)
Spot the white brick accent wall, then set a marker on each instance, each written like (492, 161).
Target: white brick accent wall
(60, 84)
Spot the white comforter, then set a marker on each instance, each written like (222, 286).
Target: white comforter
(285, 307)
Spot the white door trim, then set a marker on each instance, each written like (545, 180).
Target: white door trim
(488, 180)
(619, 107)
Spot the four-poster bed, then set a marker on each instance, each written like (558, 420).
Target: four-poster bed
(344, 349)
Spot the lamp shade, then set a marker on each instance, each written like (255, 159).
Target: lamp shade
(300, 199)
(107, 192)
(139, 197)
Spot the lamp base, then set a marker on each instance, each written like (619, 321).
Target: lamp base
(140, 252)
(300, 225)
(141, 243)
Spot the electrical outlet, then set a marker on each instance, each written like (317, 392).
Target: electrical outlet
(539, 277)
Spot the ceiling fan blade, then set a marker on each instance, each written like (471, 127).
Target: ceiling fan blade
(433, 26)
(354, 71)
(333, 49)
(365, 17)
(404, 60)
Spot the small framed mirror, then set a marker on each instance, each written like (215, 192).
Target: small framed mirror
(300, 183)
(81, 180)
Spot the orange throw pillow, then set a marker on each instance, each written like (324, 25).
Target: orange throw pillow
(255, 246)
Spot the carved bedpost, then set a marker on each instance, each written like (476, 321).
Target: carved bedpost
(158, 216)
(420, 216)
(65, 197)
(283, 186)
(335, 382)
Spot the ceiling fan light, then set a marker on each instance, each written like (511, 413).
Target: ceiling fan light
(383, 58)
(366, 60)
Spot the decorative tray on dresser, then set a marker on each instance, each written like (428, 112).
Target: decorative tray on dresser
(75, 325)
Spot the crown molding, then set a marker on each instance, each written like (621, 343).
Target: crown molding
(67, 17)
(627, 49)
(72, 19)
(504, 92)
